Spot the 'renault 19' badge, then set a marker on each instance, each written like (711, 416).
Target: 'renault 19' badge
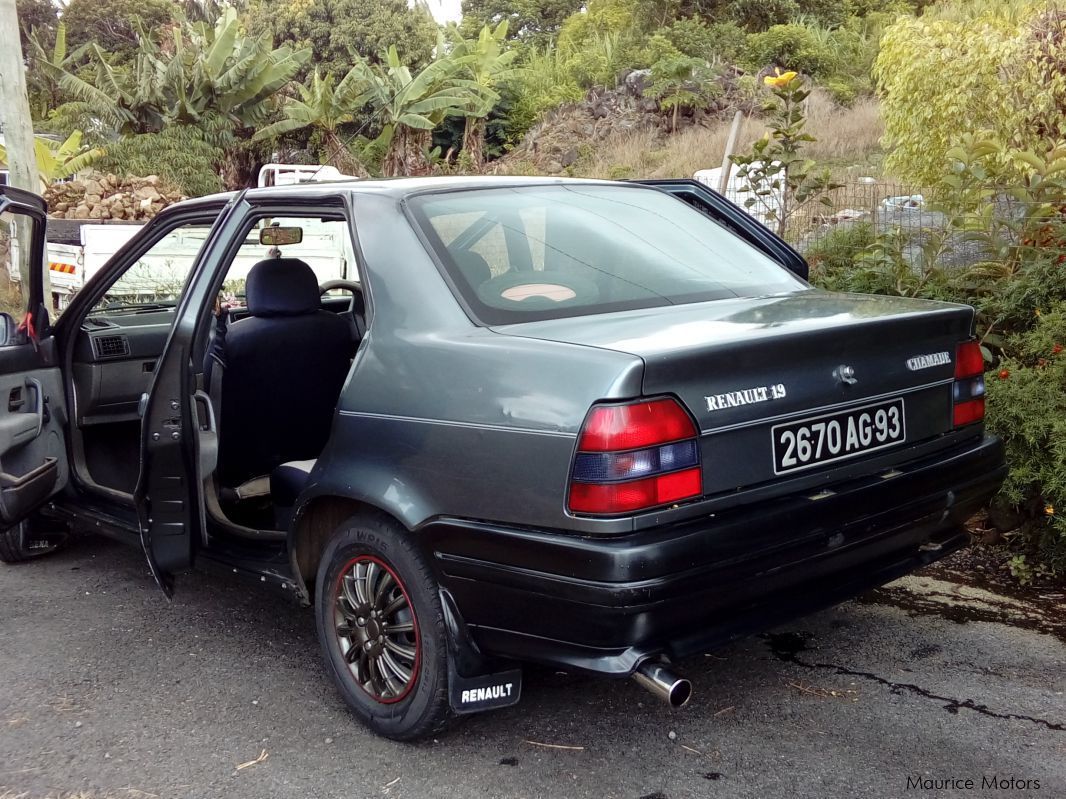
(746, 396)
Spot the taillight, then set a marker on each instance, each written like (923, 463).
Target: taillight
(635, 456)
(969, 389)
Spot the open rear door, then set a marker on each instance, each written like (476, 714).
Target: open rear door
(733, 218)
(33, 454)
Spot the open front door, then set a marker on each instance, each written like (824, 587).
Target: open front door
(33, 454)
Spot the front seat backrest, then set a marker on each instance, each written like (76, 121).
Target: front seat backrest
(284, 369)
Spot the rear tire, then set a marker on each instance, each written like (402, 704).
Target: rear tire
(23, 542)
(382, 630)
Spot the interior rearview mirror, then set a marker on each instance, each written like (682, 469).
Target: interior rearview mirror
(274, 236)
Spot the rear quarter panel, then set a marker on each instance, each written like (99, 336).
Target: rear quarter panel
(440, 417)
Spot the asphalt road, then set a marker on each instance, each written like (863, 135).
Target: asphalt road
(107, 690)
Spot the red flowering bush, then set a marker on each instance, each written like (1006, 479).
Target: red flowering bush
(1029, 412)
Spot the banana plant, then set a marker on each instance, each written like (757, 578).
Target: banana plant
(210, 76)
(487, 64)
(49, 64)
(59, 160)
(408, 107)
(325, 108)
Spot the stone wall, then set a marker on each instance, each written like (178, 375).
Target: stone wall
(99, 196)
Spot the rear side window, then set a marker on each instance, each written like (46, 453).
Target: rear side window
(538, 252)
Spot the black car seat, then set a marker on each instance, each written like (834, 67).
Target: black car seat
(282, 369)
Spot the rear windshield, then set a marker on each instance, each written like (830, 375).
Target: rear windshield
(537, 252)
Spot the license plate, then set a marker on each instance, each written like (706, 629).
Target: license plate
(836, 436)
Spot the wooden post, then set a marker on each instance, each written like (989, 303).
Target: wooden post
(731, 142)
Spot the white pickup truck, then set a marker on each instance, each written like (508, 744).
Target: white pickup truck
(84, 247)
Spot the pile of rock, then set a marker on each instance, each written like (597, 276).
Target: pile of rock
(99, 196)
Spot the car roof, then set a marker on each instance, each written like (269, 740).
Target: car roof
(401, 187)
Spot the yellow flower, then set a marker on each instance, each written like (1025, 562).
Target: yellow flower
(1050, 510)
(780, 79)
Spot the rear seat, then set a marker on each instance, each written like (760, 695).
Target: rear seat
(287, 482)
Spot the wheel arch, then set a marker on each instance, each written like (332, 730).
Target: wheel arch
(315, 521)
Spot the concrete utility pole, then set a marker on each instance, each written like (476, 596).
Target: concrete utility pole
(18, 125)
(14, 103)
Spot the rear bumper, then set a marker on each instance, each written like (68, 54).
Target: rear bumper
(604, 604)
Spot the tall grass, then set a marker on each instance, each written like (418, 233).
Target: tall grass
(844, 136)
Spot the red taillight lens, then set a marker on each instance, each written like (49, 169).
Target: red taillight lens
(635, 456)
(969, 412)
(635, 494)
(969, 361)
(969, 390)
(610, 428)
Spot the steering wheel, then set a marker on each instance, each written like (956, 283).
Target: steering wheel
(351, 286)
(356, 306)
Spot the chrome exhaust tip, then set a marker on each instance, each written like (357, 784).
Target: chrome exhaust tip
(667, 686)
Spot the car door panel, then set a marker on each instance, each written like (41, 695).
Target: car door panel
(33, 457)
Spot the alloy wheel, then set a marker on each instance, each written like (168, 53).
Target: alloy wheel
(377, 630)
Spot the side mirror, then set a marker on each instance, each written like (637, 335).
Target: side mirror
(274, 236)
(8, 330)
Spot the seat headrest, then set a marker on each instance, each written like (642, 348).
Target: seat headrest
(282, 287)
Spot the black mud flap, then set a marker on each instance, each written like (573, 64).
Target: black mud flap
(470, 689)
(485, 692)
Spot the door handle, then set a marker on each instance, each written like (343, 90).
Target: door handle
(202, 398)
(38, 405)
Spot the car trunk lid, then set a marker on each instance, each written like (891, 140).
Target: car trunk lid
(743, 367)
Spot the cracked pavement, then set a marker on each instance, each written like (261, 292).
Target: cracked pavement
(107, 689)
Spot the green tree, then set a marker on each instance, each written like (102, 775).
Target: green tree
(327, 109)
(760, 15)
(112, 25)
(534, 21)
(486, 63)
(41, 16)
(967, 68)
(340, 31)
(681, 81)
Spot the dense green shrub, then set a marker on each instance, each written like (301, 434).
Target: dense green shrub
(692, 37)
(968, 67)
(758, 15)
(1018, 288)
(794, 47)
(832, 257)
(730, 41)
(178, 155)
(545, 82)
(1027, 403)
